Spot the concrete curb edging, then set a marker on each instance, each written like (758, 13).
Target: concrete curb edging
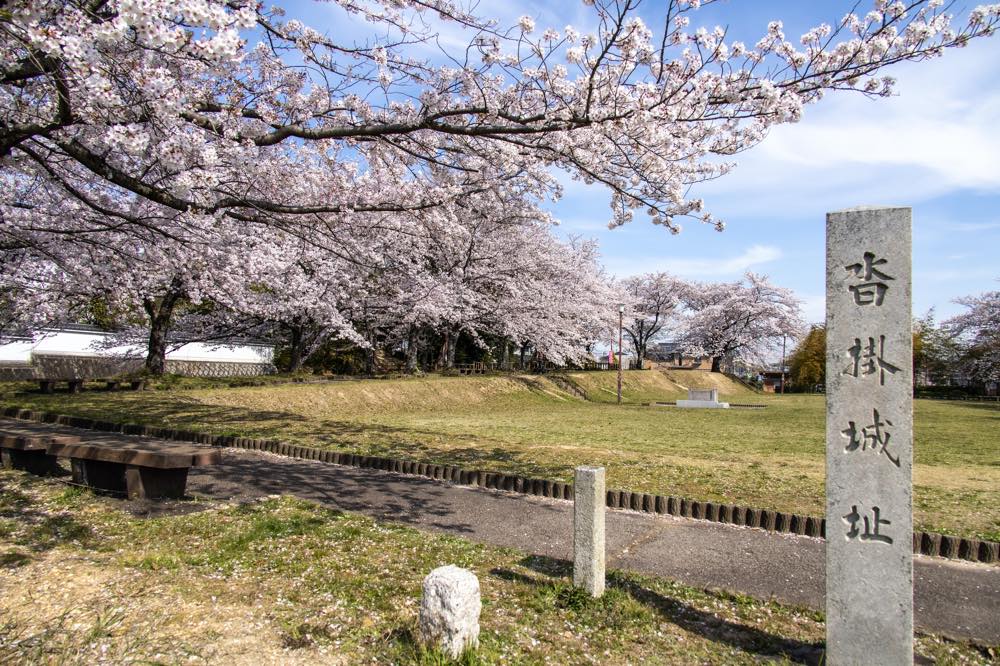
(924, 543)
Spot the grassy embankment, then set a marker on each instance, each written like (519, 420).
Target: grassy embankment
(536, 426)
(281, 581)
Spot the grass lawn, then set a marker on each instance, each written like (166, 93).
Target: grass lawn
(84, 581)
(771, 458)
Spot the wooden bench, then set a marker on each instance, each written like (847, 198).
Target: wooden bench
(76, 385)
(29, 451)
(137, 466)
(141, 469)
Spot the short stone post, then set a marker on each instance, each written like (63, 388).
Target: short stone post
(588, 530)
(869, 438)
(449, 610)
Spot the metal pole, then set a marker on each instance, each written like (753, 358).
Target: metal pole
(621, 311)
(782, 365)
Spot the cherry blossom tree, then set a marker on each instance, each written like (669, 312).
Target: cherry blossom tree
(559, 302)
(292, 288)
(653, 299)
(739, 320)
(495, 269)
(480, 263)
(131, 130)
(221, 90)
(979, 330)
(157, 290)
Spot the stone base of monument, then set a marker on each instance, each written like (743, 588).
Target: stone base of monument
(703, 399)
(702, 404)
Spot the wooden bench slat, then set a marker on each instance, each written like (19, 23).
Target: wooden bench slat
(119, 463)
(107, 447)
(33, 442)
(143, 454)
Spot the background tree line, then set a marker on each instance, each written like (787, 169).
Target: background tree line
(962, 352)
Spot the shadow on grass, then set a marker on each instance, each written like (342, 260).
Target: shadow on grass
(985, 406)
(171, 410)
(164, 410)
(36, 530)
(174, 410)
(13, 560)
(684, 615)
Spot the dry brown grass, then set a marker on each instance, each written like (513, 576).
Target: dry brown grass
(96, 612)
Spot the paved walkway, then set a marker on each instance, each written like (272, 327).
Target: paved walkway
(951, 598)
(956, 599)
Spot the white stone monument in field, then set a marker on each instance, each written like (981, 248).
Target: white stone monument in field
(869, 438)
(703, 399)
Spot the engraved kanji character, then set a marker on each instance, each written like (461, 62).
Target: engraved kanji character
(871, 532)
(866, 360)
(875, 433)
(871, 289)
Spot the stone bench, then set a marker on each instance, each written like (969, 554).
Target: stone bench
(76, 385)
(29, 451)
(139, 468)
(703, 399)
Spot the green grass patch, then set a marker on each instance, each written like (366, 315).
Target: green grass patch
(287, 581)
(545, 426)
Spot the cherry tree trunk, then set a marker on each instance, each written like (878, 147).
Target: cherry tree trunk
(160, 313)
(156, 349)
(442, 360)
(412, 350)
(452, 342)
(716, 364)
(296, 357)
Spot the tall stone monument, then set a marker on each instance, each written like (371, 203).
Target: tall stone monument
(869, 438)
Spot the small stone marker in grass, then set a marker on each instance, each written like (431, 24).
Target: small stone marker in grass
(449, 610)
(588, 530)
(869, 438)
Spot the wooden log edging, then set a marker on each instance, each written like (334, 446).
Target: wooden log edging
(924, 543)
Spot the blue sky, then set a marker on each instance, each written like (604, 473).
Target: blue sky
(935, 146)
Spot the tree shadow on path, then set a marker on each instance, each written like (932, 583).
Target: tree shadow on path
(404, 499)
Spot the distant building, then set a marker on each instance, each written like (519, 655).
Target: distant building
(85, 352)
(671, 353)
(771, 380)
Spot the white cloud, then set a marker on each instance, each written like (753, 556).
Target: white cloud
(937, 136)
(694, 267)
(958, 273)
(813, 307)
(973, 226)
